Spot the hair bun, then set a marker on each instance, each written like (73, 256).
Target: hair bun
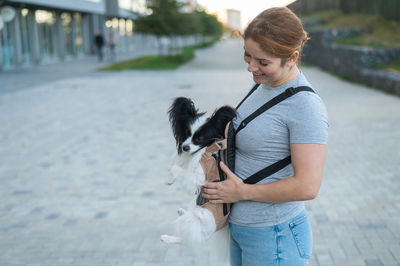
(305, 38)
(271, 31)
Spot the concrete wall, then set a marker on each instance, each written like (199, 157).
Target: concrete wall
(354, 62)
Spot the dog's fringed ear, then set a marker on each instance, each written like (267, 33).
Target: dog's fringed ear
(221, 117)
(182, 114)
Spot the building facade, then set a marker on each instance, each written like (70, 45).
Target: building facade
(41, 31)
(190, 5)
(233, 18)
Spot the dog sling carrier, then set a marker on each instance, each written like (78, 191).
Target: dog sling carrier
(224, 150)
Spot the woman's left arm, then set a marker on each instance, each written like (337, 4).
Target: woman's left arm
(308, 163)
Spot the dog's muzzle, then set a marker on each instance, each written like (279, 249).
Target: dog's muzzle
(186, 148)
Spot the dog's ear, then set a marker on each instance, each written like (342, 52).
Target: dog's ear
(224, 113)
(221, 117)
(182, 114)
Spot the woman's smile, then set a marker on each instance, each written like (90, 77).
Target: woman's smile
(266, 68)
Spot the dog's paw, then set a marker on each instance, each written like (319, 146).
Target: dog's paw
(170, 239)
(170, 180)
(176, 171)
(181, 211)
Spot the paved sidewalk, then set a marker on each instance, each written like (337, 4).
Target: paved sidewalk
(32, 76)
(83, 160)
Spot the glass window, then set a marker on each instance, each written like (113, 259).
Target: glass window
(47, 34)
(122, 27)
(7, 49)
(115, 23)
(66, 20)
(129, 27)
(78, 33)
(25, 30)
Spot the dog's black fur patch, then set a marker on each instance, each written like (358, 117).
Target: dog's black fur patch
(182, 115)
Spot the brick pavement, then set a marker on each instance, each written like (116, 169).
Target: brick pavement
(28, 77)
(83, 161)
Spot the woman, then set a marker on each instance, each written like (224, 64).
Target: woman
(268, 220)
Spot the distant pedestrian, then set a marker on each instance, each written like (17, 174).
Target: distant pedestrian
(112, 42)
(268, 221)
(99, 42)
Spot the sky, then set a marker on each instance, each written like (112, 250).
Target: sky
(248, 8)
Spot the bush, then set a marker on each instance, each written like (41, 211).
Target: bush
(160, 62)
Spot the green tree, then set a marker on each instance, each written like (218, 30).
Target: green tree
(210, 26)
(167, 20)
(161, 20)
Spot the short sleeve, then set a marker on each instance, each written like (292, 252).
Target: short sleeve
(308, 119)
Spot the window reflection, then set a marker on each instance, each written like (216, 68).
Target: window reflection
(129, 27)
(66, 21)
(7, 49)
(78, 30)
(25, 31)
(47, 34)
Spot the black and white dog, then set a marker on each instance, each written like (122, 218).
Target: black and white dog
(193, 132)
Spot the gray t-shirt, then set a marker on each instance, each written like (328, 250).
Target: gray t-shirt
(301, 118)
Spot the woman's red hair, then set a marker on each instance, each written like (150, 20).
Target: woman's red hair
(278, 31)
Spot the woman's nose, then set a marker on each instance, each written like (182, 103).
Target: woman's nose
(252, 67)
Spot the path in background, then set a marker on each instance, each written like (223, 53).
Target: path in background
(83, 160)
(32, 76)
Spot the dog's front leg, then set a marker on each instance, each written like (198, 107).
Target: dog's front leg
(175, 172)
(171, 178)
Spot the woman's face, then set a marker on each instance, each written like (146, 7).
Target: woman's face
(266, 68)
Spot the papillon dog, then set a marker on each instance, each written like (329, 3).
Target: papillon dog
(193, 132)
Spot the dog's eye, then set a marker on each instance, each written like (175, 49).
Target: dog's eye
(197, 139)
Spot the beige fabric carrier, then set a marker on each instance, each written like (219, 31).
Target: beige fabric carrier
(210, 167)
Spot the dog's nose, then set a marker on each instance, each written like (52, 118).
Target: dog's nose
(186, 148)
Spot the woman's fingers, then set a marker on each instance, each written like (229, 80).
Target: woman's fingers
(209, 193)
(211, 185)
(226, 170)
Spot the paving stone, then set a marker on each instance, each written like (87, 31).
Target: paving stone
(373, 262)
(324, 259)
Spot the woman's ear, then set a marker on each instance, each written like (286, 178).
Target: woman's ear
(293, 58)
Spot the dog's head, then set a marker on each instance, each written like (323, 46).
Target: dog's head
(192, 130)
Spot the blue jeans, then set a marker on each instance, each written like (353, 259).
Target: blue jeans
(285, 244)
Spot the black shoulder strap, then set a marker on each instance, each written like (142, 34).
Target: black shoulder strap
(248, 94)
(267, 171)
(284, 95)
(273, 168)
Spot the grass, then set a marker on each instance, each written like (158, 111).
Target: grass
(377, 31)
(326, 15)
(146, 62)
(360, 41)
(392, 66)
(165, 62)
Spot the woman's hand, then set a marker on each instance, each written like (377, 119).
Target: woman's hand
(227, 191)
